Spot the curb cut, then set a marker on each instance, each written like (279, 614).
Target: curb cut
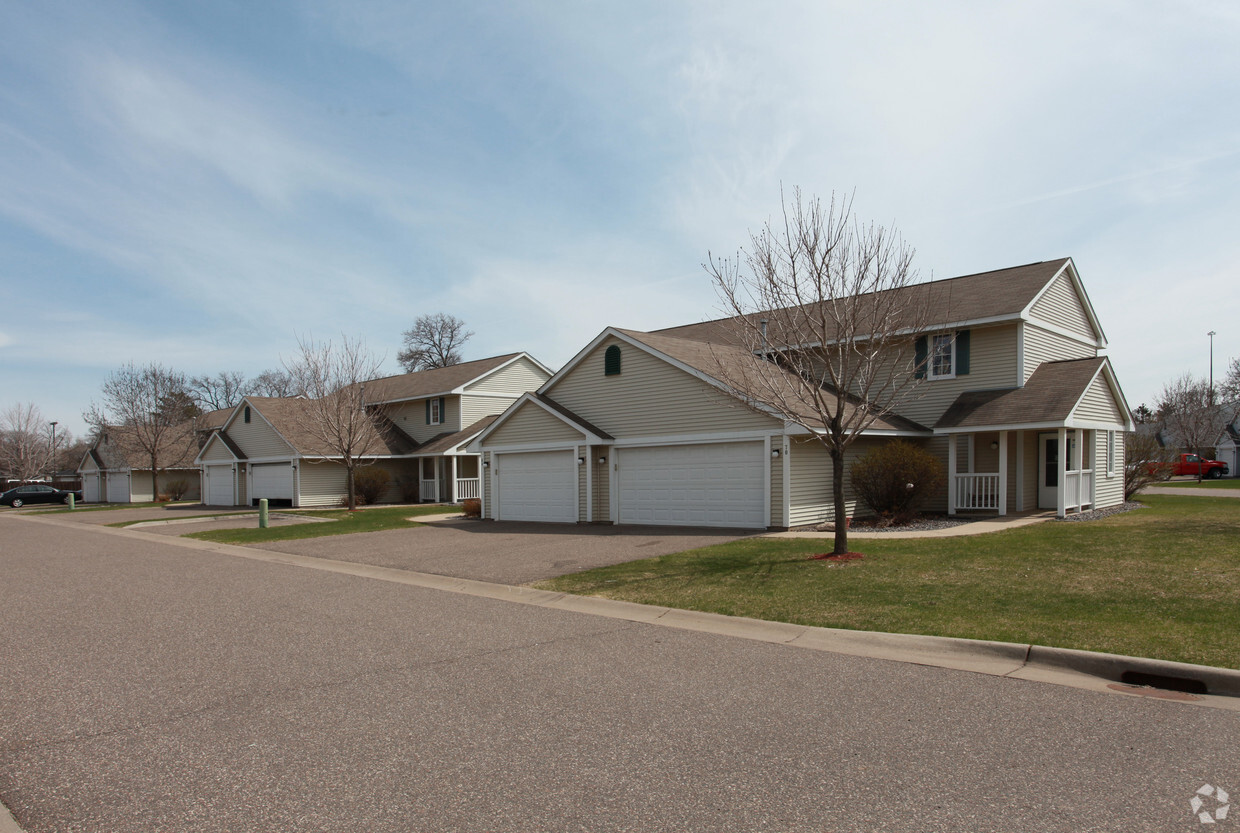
(1035, 663)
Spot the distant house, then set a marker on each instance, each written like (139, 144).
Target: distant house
(1019, 403)
(117, 469)
(1228, 447)
(425, 420)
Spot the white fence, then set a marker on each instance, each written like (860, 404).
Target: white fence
(977, 491)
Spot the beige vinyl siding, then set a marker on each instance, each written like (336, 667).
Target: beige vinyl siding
(218, 451)
(992, 364)
(775, 470)
(257, 438)
(810, 486)
(1044, 346)
(88, 464)
(474, 408)
(533, 425)
(243, 497)
(1029, 448)
(1098, 405)
(515, 379)
(410, 417)
(583, 496)
(484, 472)
(1061, 306)
(649, 397)
(1108, 489)
(322, 484)
(602, 483)
(140, 483)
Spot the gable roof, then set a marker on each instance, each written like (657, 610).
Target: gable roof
(590, 432)
(118, 447)
(982, 298)
(213, 419)
(1048, 398)
(449, 441)
(287, 416)
(438, 381)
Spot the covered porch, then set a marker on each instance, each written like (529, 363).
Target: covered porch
(449, 478)
(1006, 471)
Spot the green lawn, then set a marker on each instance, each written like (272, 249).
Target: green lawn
(344, 522)
(1222, 483)
(1162, 581)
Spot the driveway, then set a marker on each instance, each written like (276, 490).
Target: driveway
(504, 551)
(103, 517)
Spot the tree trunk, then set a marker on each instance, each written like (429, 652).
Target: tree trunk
(351, 501)
(154, 478)
(837, 494)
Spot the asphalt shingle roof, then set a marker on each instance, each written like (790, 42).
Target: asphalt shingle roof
(432, 382)
(1049, 395)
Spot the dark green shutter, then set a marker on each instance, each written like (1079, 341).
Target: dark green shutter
(443, 415)
(611, 361)
(919, 358)
(962, 353)
(428, 412)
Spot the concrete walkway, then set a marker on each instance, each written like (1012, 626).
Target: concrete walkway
(1189, 491)
(980, 526)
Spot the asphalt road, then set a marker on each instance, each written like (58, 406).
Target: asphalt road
(145, 686)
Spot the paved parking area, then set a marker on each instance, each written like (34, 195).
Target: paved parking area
(103, 517)
(504, 551)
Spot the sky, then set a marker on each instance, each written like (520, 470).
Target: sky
(202, 184)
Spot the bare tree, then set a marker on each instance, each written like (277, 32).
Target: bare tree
(25, 443)
(151, 403)
(223, 390)
(274, 383)
(434, 341)
(334, 416)
(1190, 414)
(1231, 383)
(824, 326)
(1145, 461)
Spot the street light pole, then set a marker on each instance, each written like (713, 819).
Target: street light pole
(1211, 334)
(54, 424)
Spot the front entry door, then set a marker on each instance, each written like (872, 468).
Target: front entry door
(1048, 471)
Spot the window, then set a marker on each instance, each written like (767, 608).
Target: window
(942, 356)
(1110, 452)
(436, 416)
(246, 416)
(611, 361)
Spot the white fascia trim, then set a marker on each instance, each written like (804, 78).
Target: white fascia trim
(1022, 426)
(1070, 268)
(1064, 332)
(694, 439)
(199, 460)
(483, 394)
(1113, 384)
(590, 437)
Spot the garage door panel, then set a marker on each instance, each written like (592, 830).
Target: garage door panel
(220, 486)
(712, 484)
(274, 482)
(118, 488)
(538, 486)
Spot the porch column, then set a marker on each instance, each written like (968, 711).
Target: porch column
(1003, 467)
(1020, 471)
(1061, 463)
(1078, 463)
(452, 481)
(951, 474)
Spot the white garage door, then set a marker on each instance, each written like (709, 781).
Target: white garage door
(118, 487)
(90, 487)
(220, 486)
(273, 481)
(716, 484)
(538, 486)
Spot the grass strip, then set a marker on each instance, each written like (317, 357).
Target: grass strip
(1161, 582)
(346, 523)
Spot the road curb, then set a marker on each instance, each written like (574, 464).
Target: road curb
(1084, 669)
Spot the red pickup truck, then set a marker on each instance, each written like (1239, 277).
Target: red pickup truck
(1198, 466)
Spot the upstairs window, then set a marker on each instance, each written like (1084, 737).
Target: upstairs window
(942, 357)
(436, 416)
(246, 416)
(611, 361)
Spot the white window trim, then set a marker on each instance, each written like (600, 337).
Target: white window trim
(931, 351)
(1110, 453)
(436, 415)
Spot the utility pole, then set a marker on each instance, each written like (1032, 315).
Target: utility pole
(54, 424)
(1211, 334)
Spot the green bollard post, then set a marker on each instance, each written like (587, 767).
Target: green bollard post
(262, 513)
(72, 501)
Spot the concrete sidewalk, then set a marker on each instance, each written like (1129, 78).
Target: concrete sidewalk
(979, 526)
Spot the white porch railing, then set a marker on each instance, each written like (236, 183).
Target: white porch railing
(466, 488)
(428, 490)
(1078, 488)
(977, 491)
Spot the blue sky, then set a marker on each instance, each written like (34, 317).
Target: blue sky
(200, 183)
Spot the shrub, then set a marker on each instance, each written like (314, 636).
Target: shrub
(408, 489)
(177, 488)
(472, 507)
(369, 485)
(1145, 462)
(894, 478)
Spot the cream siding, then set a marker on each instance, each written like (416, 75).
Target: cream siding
(243, 497)
(410, 417)
(1060, 305)
(1098, 405)
(322, 484)
(474, 408)
(583, 496)
(775, 471)
(140, 483)
(257, 439)
(532, 425)
(1108, 488)
(992, 364)
(649, 397)
(515, 379)
(218, 452)
(810, 482)
(1044, 346)
(602, 482)
(485, 474)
